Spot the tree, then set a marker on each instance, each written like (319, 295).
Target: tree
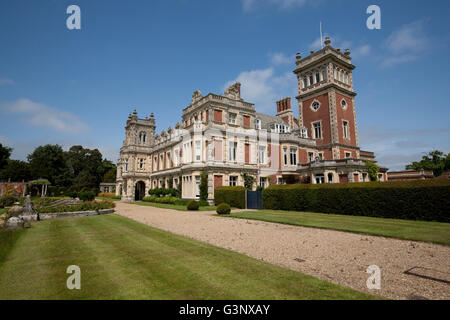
(47, 162)
(16, 171)
(435, 161)
(372, 169)
(203, 186)
(5, 153)
(85, 166)
(248, 181)
(110, 176)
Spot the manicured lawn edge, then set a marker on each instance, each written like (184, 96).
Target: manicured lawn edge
(425, 231)
(171, 206)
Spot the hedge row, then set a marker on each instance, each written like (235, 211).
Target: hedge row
(234, 196)
(415, 200)
(85, 206)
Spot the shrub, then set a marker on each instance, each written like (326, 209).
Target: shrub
(85, 206)
(116, 197)
(203, 187)
(203, 203)
(106, 194)
(413, 200)
(223, 208)
(193, 205)
(234, 196)
(8, 200)
(181, 202)
(86, 195)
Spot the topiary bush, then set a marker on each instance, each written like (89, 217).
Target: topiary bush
(223, 208)
(413, 200)
(234, 196)
(193, 205)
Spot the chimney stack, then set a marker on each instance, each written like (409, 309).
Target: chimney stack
(284, 104)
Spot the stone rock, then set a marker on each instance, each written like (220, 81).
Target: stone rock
(15, 211)
(14, 223)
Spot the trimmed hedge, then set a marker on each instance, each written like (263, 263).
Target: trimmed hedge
(413, 200)
(223, 208)
(234, 196)
(193, 205)
(85, 206)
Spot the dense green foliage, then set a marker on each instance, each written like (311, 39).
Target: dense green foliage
(78, 168)
(168, 199)
(372, 169)
(86, 196)
(414, 200)
(16, 171)
(8, 200)
(85, 206)
(436, 161)
(193, 205)
(223, 208)
(163, 192)
(234, 196)
(5, 153)
(203, 187)
(248, 181)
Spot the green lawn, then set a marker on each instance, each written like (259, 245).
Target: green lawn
(123, 259)
(437, 232)
(3, 210)
(172, 206)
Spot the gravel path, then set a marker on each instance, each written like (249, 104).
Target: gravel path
(339, 257)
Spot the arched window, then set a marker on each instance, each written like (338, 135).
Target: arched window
(305, 82)
(324, 75)
(346, 78)
(317, 76)
(311, 79)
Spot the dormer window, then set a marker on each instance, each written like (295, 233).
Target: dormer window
(304, 133)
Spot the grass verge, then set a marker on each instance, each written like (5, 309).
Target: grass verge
(435, 232)
(172, 206)
(123, 259)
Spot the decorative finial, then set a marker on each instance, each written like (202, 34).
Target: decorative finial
(327, 41)
(312, 51)
(347, 52)
(298, 56)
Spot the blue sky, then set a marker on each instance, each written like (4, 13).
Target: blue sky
(78, 86)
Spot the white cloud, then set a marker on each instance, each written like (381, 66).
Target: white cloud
(41, 115)
(263, 87)
(406, 44)
(6, 82)
(249, 5)
(280, 58)
(396, 148)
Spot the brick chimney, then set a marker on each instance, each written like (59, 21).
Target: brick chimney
(284, 104)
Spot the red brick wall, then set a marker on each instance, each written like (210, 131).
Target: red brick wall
(302, 155)
(323, 114)
(218, 181)
(347, 115)
(246, 121)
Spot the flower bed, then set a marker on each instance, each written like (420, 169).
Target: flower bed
(85, 206)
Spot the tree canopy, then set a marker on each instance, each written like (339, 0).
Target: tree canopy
(5, 153)
(435, 161)
(78, 167)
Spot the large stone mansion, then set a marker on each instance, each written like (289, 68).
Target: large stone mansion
(225, 136)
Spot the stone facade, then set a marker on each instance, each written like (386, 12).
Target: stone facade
(225, 136)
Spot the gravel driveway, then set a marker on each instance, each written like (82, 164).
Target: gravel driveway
(339, 257)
